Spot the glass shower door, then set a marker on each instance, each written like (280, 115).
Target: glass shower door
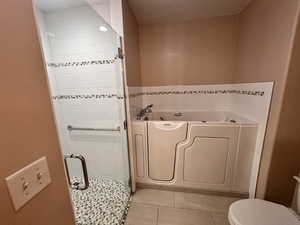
(81, 53)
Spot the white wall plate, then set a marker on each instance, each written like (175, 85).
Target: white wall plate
(28, 182)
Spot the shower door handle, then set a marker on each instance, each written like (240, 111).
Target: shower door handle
(77, 185)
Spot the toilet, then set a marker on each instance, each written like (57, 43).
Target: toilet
(260, 212)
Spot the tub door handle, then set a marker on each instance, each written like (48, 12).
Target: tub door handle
(77, 185)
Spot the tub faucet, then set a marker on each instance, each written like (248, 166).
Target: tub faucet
(144, 111)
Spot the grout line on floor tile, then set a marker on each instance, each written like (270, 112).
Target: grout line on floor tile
(174, 199)
(191, 209)
(157, 215)
(199, 209)
(153, 205)
(212, 218)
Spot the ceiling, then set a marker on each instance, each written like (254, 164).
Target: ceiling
(52, 5)
(159, 11)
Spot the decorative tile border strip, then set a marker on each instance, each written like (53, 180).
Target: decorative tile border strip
(83, 63)
(200, 92)
(87, 96)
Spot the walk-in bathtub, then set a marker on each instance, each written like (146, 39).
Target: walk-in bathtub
(197, 150)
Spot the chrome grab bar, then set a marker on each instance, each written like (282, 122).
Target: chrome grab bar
(71, 128)
(76, 185)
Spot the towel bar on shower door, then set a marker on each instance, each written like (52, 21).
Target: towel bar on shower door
(71, 128)
(76, 185)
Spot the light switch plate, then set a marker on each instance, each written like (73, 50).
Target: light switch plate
(28, 182)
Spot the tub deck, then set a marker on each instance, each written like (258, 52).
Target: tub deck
(198, 116)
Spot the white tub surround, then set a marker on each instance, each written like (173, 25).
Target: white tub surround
(135, 100)
(246, 104)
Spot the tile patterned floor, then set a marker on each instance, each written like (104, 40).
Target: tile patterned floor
(157, 207)
(103, 203)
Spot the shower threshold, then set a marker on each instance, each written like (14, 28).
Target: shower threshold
(105, 202)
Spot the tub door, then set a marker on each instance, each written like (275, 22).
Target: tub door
(163, 138)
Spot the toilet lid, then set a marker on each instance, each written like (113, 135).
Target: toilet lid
(260, 212)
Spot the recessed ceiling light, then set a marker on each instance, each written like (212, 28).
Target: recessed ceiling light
(103, 29)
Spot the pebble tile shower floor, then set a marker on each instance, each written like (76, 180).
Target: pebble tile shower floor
(105, 202)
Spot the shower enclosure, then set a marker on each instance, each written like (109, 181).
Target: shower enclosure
(84, 66)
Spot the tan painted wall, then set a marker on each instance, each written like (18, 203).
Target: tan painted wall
(27, 125)
(286, 157)
(252, 47)
(189, 53)
(132, 50)
(265, 41)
